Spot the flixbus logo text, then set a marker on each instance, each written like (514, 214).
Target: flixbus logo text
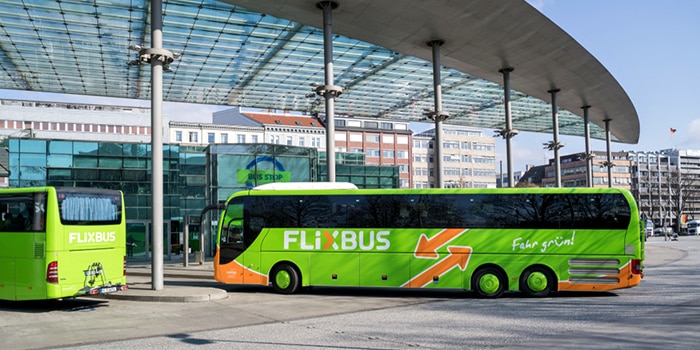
(337, 240)
(91, 237)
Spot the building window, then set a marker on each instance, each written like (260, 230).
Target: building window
(211, 137)
(388, 154)
(255, 138)
(224, 138)
(450, 144)
(178, 136)
(240, 138)
(194, 137)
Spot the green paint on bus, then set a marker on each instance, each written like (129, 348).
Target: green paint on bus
(61, 242)
(491, 241)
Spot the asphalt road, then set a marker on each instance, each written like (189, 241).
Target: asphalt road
(662, 312)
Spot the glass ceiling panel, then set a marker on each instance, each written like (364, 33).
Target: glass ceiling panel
(232, 56)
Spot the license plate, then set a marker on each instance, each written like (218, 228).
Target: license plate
(108, 290)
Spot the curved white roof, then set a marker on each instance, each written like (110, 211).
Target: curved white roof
(265, 53)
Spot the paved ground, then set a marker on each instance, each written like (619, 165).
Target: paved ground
(139, 280)
(139, 276)
(662, 310)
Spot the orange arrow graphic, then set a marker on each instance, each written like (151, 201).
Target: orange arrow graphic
(427, 248)
(329, 240)
(459, 256)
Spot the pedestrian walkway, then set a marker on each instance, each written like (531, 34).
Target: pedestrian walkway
(183, 284)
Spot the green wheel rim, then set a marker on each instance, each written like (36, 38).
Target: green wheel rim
(537, 281)
(282, 279)
(489, 283)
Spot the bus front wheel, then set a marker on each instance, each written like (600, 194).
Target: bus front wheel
(489, 282)
(285, 279)
(536, 282)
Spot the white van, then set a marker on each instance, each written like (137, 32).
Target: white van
(649, 230)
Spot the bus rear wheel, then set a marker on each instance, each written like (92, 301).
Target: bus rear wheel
(489, 282)
(285, 279)
(536, 282)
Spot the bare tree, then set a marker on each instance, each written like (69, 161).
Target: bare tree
(684, 188)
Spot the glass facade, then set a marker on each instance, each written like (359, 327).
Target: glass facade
(122, 166)
(194, 177)
(244, 166)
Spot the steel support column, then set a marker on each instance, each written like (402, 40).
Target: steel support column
(328, 90)
(609, 164)
(555, 145)
(438, 115)
(159, 59)
(157, 146)
(588, 157)
(508, 132)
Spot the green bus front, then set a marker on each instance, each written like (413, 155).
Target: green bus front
(489, 241)
(70, 242)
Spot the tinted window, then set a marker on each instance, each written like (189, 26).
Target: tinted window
(566, 211)
(23, 212)
(89, 208)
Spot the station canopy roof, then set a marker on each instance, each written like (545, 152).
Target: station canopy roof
(268, 53)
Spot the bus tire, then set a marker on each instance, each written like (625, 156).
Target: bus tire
(489, 282)
(285, 278)
(536, 281)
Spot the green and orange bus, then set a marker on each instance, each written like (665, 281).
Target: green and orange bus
(61, 242)
(490, 241)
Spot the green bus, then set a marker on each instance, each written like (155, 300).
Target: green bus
(490, 241)
(61, 242)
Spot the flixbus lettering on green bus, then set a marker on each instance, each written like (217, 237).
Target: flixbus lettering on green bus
(337, 240)
(535, 241)
(61, 242)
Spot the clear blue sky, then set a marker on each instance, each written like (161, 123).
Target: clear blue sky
(651, 47)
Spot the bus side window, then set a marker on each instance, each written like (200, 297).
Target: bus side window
(5, 221)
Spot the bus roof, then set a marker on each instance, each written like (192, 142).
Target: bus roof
(306, 186)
